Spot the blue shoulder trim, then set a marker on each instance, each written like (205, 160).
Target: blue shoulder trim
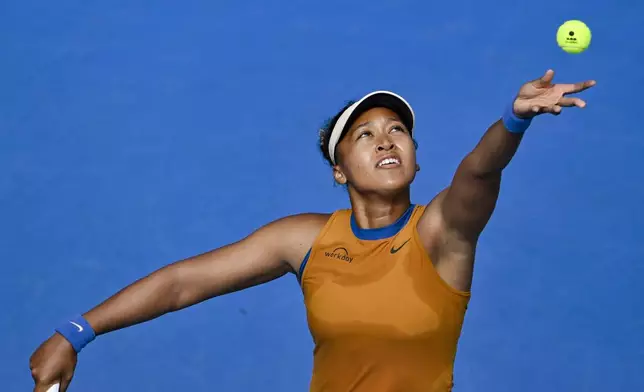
(304, 261)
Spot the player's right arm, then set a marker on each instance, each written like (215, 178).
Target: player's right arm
(266, 254)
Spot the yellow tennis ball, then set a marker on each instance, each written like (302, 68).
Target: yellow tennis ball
(573, 36)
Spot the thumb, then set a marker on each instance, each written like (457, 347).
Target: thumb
(545, 80)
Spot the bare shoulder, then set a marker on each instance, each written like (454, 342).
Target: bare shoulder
(309, 220)
(300, 226)
(431, 226)
(296, 234)
(451, 254)
(435, 234)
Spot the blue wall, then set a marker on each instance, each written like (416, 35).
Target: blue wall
(134, 134)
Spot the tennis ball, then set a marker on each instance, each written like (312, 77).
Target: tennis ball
(573, 36)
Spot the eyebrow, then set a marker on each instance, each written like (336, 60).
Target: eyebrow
(369, 122)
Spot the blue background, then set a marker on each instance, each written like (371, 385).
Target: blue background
(134, 134)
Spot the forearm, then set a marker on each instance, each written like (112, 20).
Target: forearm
(472, 195)
(493, 153)
(144, 300)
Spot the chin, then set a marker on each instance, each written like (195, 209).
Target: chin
(393, 185)
(388, 183)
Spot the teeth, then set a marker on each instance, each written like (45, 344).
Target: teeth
(388, 161)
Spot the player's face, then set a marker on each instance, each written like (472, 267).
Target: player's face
(377, 154)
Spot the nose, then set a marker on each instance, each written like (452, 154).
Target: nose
(385, 144)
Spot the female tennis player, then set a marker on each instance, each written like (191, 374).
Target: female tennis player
(385, 283)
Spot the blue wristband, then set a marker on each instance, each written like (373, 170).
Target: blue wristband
(78, 332)
(513, 123)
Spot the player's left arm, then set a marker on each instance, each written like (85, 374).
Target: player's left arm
(468, 203)
(455, 219)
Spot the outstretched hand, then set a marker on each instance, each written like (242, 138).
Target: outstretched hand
(542, 96)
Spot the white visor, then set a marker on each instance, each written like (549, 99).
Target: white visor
(385, 99)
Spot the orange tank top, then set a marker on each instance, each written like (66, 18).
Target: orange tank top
(380, 316)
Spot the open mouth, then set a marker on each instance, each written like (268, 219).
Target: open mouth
(388, 162)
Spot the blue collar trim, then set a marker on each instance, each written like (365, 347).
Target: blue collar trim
(382, 232)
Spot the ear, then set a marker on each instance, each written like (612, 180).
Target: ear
(339, 176)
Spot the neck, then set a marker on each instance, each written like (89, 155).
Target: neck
(376, 211)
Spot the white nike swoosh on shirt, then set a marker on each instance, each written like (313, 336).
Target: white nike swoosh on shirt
(80, 328)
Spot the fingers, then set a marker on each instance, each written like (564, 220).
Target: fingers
(56, 385)
(548, 76)
(546, 79)
(64, 383)
(577, 87)
(549, 98)
(554, 109)
(570, 102)
(49, 382)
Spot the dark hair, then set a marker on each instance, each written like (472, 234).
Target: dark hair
(325, 134)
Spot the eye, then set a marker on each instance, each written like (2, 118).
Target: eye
(398, 128)
(364, 133)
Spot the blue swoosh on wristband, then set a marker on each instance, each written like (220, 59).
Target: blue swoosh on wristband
(78, 332)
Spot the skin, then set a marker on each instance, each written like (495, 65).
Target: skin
(449, 228)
